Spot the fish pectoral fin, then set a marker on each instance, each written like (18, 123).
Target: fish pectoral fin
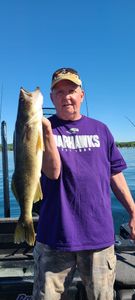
(40, 144)
(38, 194)
(13, 188)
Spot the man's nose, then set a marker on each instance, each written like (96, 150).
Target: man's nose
(67, 95)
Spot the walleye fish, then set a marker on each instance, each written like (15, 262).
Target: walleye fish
(28, 149)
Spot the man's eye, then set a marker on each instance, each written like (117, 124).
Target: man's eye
(59, 93)
(72, 91)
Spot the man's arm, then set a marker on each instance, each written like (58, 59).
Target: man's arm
(51, 159)
(122, 192)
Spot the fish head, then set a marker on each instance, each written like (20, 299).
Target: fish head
(30, 102)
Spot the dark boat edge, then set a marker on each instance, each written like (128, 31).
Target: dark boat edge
(17, 266)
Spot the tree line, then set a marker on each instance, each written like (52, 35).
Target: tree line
(125, 144)
(118, 144)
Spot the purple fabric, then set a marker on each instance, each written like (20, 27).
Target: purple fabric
(76, 210)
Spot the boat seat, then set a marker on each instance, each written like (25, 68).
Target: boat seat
(128, 294)
(125, 269)
(125, 275)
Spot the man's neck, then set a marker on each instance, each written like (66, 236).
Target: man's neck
(70, 118)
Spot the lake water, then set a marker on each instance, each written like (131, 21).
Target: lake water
(119, 213)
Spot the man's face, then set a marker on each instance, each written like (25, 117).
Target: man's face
(67, 98)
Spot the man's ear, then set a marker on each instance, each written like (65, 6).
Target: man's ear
(82, 96)
(51, 96)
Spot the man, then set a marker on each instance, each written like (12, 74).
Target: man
(75, 227)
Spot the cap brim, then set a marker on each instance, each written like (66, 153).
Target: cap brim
(69, 77)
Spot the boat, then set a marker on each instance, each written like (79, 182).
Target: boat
(17, 265)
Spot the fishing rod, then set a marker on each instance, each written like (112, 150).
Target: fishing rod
(130, 121)
(87, 109)
(1, 100)
(86, 102)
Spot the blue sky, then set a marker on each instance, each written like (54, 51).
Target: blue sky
(95, 37)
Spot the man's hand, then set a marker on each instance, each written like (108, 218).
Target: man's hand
(132, 227)
(46, 125)
(51, 159)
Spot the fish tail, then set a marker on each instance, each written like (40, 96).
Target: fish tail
(24, 232)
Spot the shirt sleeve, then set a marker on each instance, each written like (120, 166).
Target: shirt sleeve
(117, 161)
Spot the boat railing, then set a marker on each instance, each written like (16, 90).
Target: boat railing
(5, 169)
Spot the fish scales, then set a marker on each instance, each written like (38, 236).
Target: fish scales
(28, 149)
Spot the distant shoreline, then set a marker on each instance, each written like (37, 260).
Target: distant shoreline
(125, 144)
(118, 144)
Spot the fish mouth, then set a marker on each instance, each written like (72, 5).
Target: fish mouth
(27, 92)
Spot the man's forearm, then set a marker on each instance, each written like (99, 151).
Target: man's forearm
(51, 158)
(122, 192)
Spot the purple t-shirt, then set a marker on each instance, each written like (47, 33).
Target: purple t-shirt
(76, 210)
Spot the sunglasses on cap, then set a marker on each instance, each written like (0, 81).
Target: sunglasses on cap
(64, 71)
(66, 74)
